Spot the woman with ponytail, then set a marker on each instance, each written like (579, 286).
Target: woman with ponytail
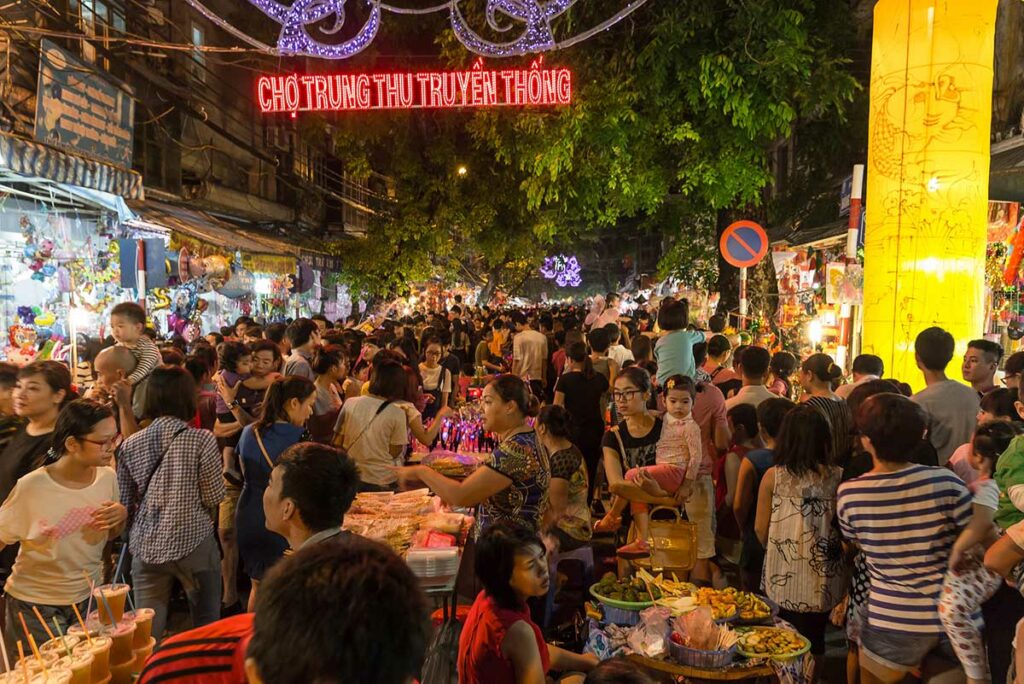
(818, 378)
(287, 407)
(582, 391)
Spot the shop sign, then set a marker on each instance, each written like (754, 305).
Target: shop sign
(844, 196)
(269, 263)
(475, 87)
(79, 110)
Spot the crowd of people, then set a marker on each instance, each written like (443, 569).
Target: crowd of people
(845, 500)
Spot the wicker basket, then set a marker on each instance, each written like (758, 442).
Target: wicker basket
(707, 660)
(620, 616)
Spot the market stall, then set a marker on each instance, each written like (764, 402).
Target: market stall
(675, 627)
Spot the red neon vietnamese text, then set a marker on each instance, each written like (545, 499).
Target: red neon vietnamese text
(414, 90)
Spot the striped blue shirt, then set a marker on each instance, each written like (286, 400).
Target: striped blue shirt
(905, 523)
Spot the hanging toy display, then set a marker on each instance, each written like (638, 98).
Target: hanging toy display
(21, 348)
(37, 254)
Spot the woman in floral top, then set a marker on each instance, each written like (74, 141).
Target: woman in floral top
(514, 485)
(568, 515)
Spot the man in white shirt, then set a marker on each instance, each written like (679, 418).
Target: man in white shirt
(616, 352)
(755, 372)
(866, 367)
(529, 353)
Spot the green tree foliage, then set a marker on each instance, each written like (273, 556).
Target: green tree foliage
(674, 111)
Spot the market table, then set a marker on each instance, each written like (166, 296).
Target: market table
(735, 673)
(445, 591)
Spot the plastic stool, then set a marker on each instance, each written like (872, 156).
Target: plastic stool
(585, 555)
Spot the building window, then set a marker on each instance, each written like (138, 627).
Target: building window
(198, 66)
(98, 18)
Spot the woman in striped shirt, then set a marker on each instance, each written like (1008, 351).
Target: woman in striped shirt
(905, 519)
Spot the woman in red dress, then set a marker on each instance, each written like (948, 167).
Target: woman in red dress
(500, 644)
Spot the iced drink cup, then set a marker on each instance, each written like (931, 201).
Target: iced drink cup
(121, 673)
(100, 651)
(143, 625)
(60, 645)
(142, 654)
(54, 676)
(110, 600)
(80, 666)
(122, 635)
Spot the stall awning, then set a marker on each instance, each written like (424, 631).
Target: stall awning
(1006, 173)
(34, 160)
(803, 237)
(199, 225)
(260, 253)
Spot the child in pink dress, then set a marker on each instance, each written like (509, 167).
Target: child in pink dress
(679, 460)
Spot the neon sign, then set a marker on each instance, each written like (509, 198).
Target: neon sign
(477, 87)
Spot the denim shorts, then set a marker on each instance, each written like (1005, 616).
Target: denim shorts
(902, 651)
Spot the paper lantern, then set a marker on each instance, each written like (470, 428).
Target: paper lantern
(927, 179)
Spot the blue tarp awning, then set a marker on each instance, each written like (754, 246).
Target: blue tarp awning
(35, 160)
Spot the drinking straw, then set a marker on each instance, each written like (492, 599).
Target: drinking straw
(99, 597)
(24, 665)
(82, 622)
(63, 639)
(3, 650)
(32, 644)
(35, 609)
(117, 575)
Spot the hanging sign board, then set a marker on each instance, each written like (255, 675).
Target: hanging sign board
(476, 87)
(743, 244)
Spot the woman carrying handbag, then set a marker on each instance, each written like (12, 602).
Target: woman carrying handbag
(169, 475)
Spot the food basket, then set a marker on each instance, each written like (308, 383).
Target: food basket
(451, 464)
(618, 612)
(768, 620)
(800, 643)
(708, 660)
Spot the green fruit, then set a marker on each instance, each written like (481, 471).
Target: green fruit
(608, 577)
(644, 596)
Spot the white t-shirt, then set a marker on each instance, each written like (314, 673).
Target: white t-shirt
(986, 493)
(436, 378)
(530, 349)
(368, 437)
(750, 394)
(619, 354)
(53, 523)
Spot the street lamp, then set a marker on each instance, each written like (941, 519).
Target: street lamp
(462, 170)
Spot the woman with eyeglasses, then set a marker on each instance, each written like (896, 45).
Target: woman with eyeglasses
(630, 444)
(63, 514)
(437, 380)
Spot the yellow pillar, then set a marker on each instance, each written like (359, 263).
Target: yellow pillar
(927, 177)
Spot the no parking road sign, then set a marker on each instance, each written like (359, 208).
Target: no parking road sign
(743, 244)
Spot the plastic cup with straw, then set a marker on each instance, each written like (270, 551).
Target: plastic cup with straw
(99, 597)
(39, 616)
(85, 629)
(118, 577)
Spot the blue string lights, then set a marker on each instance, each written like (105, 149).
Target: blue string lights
(564, 270)
(308, 25)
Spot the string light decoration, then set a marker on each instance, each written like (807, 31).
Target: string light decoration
(307, 24)
(564, 270)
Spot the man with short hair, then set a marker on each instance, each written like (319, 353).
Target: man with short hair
(529, 354)
(756, 361)
(866, 367)
(311, 488)
(980, 365)
(321, 322)
(304, 336)
(616, 352)
(952, 407)
(351, 611)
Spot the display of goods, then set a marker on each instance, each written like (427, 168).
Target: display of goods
(450, 523)
(631, 594)
(451, 464)
(670, 588)
(771, 642)
(730, 603)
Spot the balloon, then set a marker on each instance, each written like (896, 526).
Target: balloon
(44, 334)
(201, 305)
(22, 336)
(58, 330)
(38, 276)
(48, 270)
(29, 251)
(161, 298)
(241, 283)
(45, 319)
(192, 332)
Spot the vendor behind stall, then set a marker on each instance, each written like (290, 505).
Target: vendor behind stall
(514, 485)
